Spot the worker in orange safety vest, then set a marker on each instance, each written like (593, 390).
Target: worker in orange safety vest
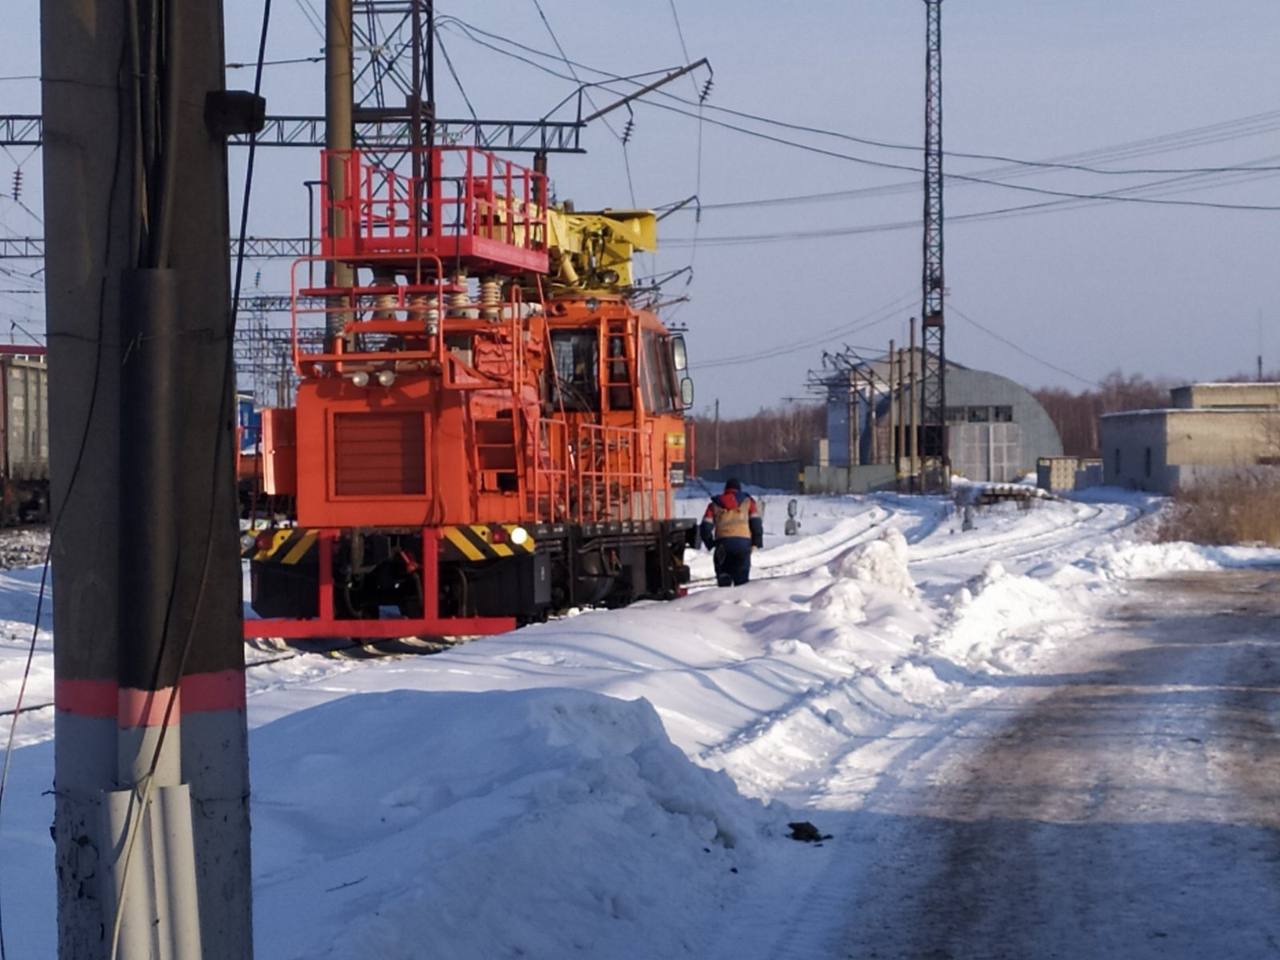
(731, 528)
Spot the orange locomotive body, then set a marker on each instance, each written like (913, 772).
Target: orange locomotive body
(487, 429)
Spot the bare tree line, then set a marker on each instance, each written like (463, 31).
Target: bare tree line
(784, 432)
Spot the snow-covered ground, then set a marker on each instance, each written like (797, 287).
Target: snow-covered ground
(618, 784)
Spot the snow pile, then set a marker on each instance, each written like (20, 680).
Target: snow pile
(882, 561)
(862, 610)
(998, 620)
(530, 824)
(845, 634)
(1136, 561)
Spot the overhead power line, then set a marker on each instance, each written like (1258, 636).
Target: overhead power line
(1071, 162)
(952, 309)
(879, 315)
(1122, 195)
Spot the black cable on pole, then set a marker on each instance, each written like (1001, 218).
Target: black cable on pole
(224, 413)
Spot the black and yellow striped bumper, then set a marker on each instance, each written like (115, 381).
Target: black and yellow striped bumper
(485, 541)
(464, 542)
(289, 546)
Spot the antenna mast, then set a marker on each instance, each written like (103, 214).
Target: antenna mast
(934, 467)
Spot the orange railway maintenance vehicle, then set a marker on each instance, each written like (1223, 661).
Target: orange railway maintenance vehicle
(487, 429)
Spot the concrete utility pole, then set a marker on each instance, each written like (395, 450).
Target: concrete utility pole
(894, 447)
(913, 401)
(717, 434)
(902, 415)
(855, 434)
(151, 815)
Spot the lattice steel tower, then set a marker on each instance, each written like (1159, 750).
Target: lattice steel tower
(934, 468)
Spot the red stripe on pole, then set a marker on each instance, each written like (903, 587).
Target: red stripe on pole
(102, 699)
(147, 708)
(86, 698)
(211, 692)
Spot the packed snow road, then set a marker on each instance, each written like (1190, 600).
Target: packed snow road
(1123, 807)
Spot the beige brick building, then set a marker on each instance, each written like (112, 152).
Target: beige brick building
(1211, 430)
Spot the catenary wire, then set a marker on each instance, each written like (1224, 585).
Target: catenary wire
(951, 308)
(697, 161)
(1115, 196)
(1028, 209)
(626, 160)
(457, 81)
(872, 317)
(1064, 163)
(312, 16)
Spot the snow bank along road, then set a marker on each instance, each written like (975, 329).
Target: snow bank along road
(994, 725)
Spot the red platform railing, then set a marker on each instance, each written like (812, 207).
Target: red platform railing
(469, 205)
(612, 476)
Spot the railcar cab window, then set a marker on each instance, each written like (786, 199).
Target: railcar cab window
(658, 378)
(575, 375)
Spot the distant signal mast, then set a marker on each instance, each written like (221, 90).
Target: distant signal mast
(934, 472)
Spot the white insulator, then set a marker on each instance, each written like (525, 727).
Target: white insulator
(521, 310)
(490, 298)
(384, 304)
(461, 298)
(426, 307)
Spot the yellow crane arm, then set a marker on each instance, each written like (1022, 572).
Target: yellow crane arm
(593, 251)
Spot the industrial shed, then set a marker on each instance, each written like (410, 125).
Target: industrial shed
(1210, 430)
(996, 429)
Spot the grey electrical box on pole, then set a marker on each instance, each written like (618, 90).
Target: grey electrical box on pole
(149, 660)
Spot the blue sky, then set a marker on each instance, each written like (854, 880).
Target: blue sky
(1163, 290)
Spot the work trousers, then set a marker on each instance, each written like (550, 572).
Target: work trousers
(732, 559)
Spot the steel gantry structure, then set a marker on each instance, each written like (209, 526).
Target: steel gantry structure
(531, 136)
(934, 470)
(388, 93)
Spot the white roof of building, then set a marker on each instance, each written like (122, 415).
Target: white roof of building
(1189, 410)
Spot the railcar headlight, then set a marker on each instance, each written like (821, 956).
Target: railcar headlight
(386, 377)
(360, 378)
(519, 536)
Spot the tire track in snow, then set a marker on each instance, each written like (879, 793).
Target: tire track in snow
(1007, 548)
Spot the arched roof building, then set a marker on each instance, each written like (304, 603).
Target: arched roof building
(996, 429)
